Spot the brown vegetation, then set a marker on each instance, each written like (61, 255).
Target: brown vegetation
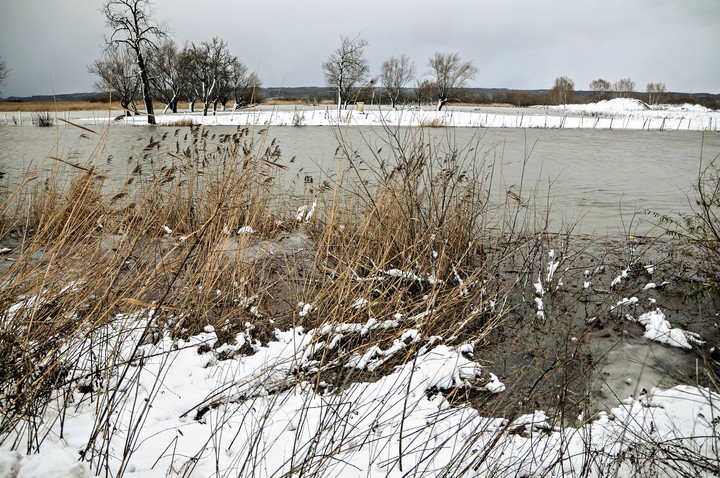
(60, 106)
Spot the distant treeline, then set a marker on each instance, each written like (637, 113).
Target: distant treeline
(479, 96)
(410, 96)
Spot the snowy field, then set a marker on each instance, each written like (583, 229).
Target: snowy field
(616, 114)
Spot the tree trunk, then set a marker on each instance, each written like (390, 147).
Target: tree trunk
(147, 95)
(206, 106)
(441, 103)
(172, 104)
(339, 102)
(191, 105)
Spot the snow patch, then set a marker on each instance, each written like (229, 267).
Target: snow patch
(657, 328)
(494, 385)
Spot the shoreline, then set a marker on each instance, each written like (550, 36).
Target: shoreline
(619, 114)
(535, 118)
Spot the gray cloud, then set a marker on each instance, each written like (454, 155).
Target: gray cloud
(516, 44)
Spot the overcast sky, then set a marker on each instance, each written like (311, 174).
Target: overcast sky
(515, 43)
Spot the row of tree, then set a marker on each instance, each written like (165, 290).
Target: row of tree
(564, 88)
(348, 71)
(141, 61)
(207, 73)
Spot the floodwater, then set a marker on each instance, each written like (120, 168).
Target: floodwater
(604, 179)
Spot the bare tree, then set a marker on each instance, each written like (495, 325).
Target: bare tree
(133, 26)
(117, 74)
(563, 90)
(3, 71)
(245, 87)
(226, 81)
(186, 63)
(656, 92)
(209, 70)
(623, 88)
(395, 74)
(238, 84)
(424, 91)
(167, 73)
(223, 89)
(449, 72)
(347, 68)
(601, 89)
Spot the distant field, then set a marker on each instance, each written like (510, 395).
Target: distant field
(57, 106)
(8, 106)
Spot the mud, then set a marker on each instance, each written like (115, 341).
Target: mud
(587, 353)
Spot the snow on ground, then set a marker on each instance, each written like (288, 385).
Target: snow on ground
(657, 328)
(613, 114)
(623, 105)
(254, 415)
(616, 105)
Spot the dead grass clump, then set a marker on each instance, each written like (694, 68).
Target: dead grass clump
(185, 121)
(43, 119)
(88, 255)
(402, 260)
(66, 213)
(433, 123)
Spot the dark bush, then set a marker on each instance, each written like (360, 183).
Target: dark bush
(43, 119)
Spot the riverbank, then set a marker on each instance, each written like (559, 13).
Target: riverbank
(618, 114)
(196, 320)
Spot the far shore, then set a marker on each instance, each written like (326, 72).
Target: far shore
(615, 114)
(40, 106)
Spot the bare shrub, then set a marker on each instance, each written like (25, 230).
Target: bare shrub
(43, 119)
(701, 228)
(186, 121)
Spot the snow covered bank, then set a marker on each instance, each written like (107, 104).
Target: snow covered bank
(609, 115)
(629, 105)
(183, 408)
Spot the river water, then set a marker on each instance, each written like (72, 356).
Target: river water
(602, 178)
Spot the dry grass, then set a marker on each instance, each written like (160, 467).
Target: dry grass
(181, 122)
(60, 106)
(293, 102)
(405, 245)
(35, 106)
(433, 123)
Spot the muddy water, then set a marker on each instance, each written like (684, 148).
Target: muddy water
(600, 178)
